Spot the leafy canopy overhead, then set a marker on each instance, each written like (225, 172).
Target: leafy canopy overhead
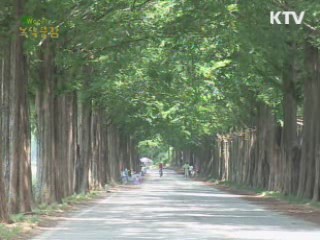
(182, 70)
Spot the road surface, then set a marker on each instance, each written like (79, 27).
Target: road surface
(175, 208)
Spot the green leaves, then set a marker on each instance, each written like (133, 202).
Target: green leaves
(181, 70)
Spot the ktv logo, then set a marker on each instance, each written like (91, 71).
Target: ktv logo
(287, 16)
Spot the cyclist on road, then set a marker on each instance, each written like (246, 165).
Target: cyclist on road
(161, 169)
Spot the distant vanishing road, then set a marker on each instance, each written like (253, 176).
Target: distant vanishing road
(175, 208)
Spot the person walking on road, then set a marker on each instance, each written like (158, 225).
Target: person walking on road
(126, 174)
(186, 170)
(191, 171)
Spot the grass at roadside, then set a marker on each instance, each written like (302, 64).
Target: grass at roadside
(23, 223)
(291, 199)
(44, 209)
(9, 232)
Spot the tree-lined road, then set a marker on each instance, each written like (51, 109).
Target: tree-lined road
(174, 208)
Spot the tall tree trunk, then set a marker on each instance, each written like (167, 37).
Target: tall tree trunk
(84, 134)
(310, 164)
(289, 133)
(99, 146)
(3, 139)
(309, 157)
(71, 131)
(4, 127)
(45, 102)
(316, 189)
(3, 200)
(20, 196)
(65, 141)
(113, 153)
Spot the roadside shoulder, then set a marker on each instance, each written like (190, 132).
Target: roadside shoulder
(274, 201)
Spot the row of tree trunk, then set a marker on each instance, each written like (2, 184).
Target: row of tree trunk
(281, 158)
(309, 174)
(15, 167)
(79, 148)
(251, 157)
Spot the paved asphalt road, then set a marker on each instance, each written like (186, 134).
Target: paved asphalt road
(175, 208)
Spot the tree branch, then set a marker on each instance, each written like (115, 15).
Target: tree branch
(142, 4)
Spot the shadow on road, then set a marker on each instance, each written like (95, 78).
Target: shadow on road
(174, 208)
